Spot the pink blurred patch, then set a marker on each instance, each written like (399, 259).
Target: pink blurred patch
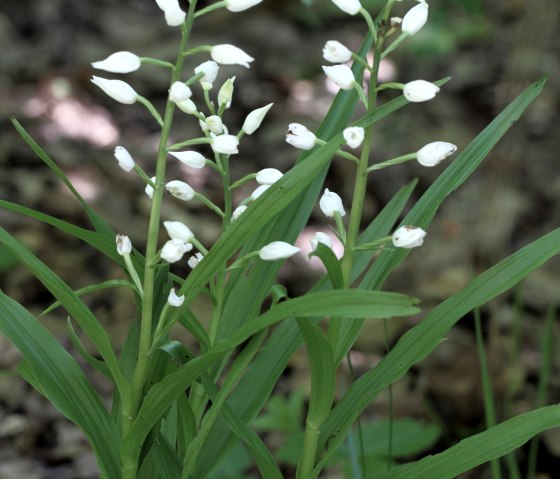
(304, 243)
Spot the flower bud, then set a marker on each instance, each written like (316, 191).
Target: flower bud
(341, 75)
(254, 119)
(226, 93)
(240, 5)
(320, 237)
(190, 158)
(258, 191)
(123, 157)
(348, 6)
(238, 212)
(420, 90)
(227, 54)
(116, 89)
(354, 136)
(119, 62)
(268, 176)
(212, 123)
(195, 259)
(149, 190)
(408, 237)
(178, 230)
(179, 92)
(277, 250)
(174, 300)
(210, 70)
(180, 189)
(330, 203)
(174, 249)
(415, 18)
(226, 144)
(336, 52)
(186, 106)
(174, 16)
(300, 137)
(434, 153)
(124, 246)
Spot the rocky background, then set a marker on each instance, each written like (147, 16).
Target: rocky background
(492, 49)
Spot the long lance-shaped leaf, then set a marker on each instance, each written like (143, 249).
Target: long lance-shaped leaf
(423, 338)
(62, 381)
(73, 304)
(473, 451)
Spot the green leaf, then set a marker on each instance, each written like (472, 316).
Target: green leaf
(331, 263)
(77, 343)
(62, 381)
(473, 451)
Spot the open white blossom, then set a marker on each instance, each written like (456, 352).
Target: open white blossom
(126, 162)
(277, 250)
(119, 62)
(116, 89)
(210, 69)
(408, 237)
(331, 204)
(174, 249)
(226, 144)
(336, 52)
(227, 54)
(354, 136)
(174, 300)
(300, 137)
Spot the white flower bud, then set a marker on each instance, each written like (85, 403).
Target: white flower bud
(195, 259)
(180, 189)
(408, 237)
(116, 89)
(254, 119)
(277, 250)
(258, 191)
(210, 70)
(433, 153)
(320, 237)
(212, 123)
(179, 92)
(226, 144)
(174, 249)
(119, 62)
(187, 106)
(149, 190)
(348, 6)
(354, 136)
(190, 158)
(341, 75)
(330, 203)
(268, 176)
(178, 230)
(336, 52)
(420, 90)
(240, 5)
(226, 93)
(238, 212)
(300, 137)
(415, 18)
(174, 300)
(227, 54)
(123, 157)
(175, 16)
(124, 246)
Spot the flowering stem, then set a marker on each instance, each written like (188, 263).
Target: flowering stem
(394, 161)
(155, 61)
(142, 174)
(133, 274)
(194, 141)
(215, 208)
(151, 109)
(210, 8)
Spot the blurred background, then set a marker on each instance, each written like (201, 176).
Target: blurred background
(492, 49)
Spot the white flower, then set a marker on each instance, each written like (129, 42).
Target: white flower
(226, 144)
(178, 230)
(238, 212)
(116, 89)
(179, 92)
(341, 75)
(415, 18)
(213, 123)
(180, 189)
(210, 70)
(330, 203)
(174, 300)
(420, 90)
(190, 158)
(187, 106)
(258, 191)
(123, 157)
(227, 54)
(174, 16)
(277, 250)
(254, 119)
(354, 136)
(124, 246)
(149, 190)
(174, 249)
(336, 52)
(300, 137)
(268, 176)
(119, 62)
(320, 237)
(348, 6)
(226, 93)
(433, 153)
(240, 5)
(195, 259)
(408, 237)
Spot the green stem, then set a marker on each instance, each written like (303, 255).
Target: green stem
(194, 141)
(310, 439)
(394, 161)
(151, 108)
(155, 61)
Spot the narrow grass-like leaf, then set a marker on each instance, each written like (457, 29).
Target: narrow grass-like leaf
(473, 451)
(331, 263)
(62, 382)
(167, 462)
(77, 343)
